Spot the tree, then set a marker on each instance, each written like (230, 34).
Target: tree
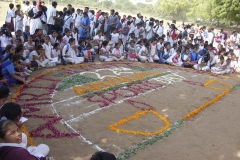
(228, 10)
(177, 9)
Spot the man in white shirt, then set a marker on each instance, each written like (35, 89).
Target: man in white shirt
(78, 18)
(51, 16)
(138, 19)
(9, 17)
(86, 9)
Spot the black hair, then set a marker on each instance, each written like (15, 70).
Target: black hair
(54, 3)
(14, 57)
(34, 3)
(38, 47)
(11, 111)
(4, 92)
(18, 49)
(88, 46)
(71, 40)
(68, 12)
(7, 49)
(105, 43)
(11, 6)
(59, 36)
(103, 156)
(55, 45)
(4, 126)
(53, 31)
(80, 41)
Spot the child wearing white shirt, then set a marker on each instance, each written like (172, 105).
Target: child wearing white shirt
(56, 52)
(117, 55)
(53, 37)
(115, 36)
(67, 21)
(48, 51)
(18, 21)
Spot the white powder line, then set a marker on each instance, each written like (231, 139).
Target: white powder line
(65, 100)
(83, 138)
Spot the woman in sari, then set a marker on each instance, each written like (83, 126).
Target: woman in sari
(84, 26)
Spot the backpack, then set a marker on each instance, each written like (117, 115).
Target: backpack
(125, 30)
(30, 13)
(59, 21)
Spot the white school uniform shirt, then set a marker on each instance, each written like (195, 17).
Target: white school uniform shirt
(78, 20)
(76, 37)
(74, 16)
(56, 53)
(101, 39)
(51, 12)
(18, 23)
(159, 30)
(52, 39)
(66, 39)
(5, 40)
(28, 46)
(10, 15)
(116, 52)
(143, 49)
(150, 32)
(210, 37)
(138, 20)
(237, 52)
(90, 16)
(21, 37)
(159, 46)
(33, 53)
(67, 21)
(137, 31)
(48, 50)
(132, 27)
(114, 38)
(153, 49)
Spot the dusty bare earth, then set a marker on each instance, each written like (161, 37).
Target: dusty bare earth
(211, 134)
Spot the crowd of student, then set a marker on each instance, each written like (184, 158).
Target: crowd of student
(45, 37)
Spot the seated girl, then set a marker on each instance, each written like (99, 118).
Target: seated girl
(175, 59)
(9, 72)
(10, 49)
(162, 57)
(153, 51)
(104, 53)
(81, 47)
(38, 59)
(220, 67)
(216, 58)
(12, 143)
(143, 54)
(29, 46)
(57, 52)
(88, 57)
(3, 80)
(203, 64)
(97, 41)
(194, 55)
(186, 59)
(23, 61)
(117, 55)
(132, 56)
(70, 53)
(47, 46)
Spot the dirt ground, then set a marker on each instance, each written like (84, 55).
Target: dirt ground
(211, 134)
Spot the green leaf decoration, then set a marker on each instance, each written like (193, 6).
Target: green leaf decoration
(73, 81)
